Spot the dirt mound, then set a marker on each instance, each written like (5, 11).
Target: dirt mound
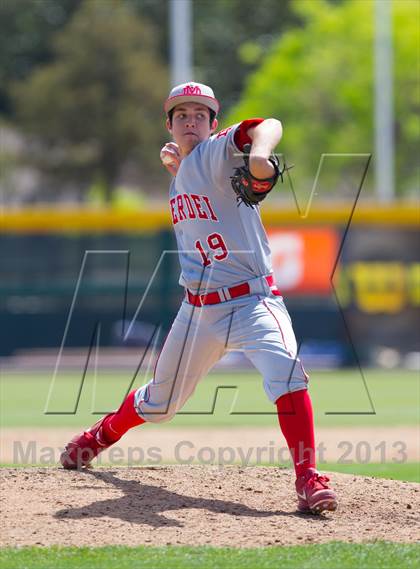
(246, 445)
(195, 505)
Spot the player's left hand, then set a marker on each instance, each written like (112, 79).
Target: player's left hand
(249, 189)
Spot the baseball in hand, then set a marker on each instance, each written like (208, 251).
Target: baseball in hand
(167, 159)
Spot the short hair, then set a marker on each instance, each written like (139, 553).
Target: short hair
(212, 115)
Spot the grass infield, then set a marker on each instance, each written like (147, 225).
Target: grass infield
(378, 555)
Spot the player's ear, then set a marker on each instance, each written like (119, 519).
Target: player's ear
(168, 125)
(214, 125)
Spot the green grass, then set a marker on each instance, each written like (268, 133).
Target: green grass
(378, 555)
(395, 396)
(409, 471)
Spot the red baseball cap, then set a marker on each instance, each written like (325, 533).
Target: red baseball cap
(192, 93)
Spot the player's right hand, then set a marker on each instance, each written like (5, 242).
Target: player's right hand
(171, 157)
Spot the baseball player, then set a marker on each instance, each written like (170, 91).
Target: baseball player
(231, 300)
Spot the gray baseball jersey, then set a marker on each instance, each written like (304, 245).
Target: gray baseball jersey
(220, 245)
(219, 242)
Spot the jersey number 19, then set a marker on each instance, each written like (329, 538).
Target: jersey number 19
(216, 243)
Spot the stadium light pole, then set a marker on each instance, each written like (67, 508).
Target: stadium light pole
(180, 22)
(384, 103)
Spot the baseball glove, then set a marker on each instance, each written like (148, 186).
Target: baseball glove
(250, 190)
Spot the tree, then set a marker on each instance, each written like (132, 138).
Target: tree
(318, 79)
(229, 37)
(100, 101)
(26, 29)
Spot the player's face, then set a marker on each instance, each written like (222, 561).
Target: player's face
(190, 125)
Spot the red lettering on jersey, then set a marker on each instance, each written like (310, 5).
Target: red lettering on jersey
(174, 216)
(181, 213)
(194, 205)
(211, 210)
(191, 212)
(201, 213)
(223, 132)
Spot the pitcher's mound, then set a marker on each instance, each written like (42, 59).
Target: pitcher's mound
(195, 505)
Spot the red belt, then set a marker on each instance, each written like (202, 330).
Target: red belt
(225, 294)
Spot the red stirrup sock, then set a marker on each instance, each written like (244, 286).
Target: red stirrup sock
(118, 423)
(297, 424)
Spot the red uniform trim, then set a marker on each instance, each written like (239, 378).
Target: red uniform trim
(234, 292)
(281, 332)
(241, 133)
(279, 327)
